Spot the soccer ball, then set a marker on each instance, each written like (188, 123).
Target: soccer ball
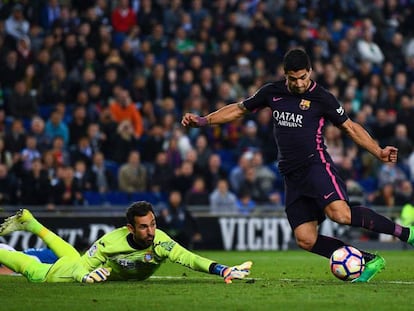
(347, 263)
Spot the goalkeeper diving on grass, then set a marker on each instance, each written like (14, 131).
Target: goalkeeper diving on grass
(132, 252)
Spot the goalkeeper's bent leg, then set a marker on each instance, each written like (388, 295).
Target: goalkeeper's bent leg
(59, 246)
(27, 265)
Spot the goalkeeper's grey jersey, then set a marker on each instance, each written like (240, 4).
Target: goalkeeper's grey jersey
(113, 250)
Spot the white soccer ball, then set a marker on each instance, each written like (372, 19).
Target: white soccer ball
(347, 263)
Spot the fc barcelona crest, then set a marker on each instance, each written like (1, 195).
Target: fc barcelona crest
(304, 104)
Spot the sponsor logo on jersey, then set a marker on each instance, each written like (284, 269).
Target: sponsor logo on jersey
(288, 119)
(304, 104)
(340, 111)
(167, 245)
(276, 99)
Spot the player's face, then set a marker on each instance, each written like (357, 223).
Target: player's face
(144, 229)
(298, 81)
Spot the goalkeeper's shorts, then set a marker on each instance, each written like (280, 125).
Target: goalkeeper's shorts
(60, 271)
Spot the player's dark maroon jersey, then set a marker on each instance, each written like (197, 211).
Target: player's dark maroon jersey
(298, 121)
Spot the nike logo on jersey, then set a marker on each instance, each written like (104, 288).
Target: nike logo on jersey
(276, 99)
(326, 196)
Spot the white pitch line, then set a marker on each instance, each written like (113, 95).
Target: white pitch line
(380, 281)
(171, 277)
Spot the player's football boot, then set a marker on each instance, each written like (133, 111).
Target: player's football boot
(411, 236)
(237, 272)
(372, 268)
(17, 222)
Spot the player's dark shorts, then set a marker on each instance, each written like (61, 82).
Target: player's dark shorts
(309, 190)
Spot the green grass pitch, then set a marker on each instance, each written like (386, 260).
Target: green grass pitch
(291, 280)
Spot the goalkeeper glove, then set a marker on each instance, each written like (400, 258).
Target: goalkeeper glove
(237, 272)
(97, 275)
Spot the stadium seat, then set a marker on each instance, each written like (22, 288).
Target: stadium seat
(113, 167)
(118, 198)
(369, 184)
(227, 159)
(93, 197)
(148, 196)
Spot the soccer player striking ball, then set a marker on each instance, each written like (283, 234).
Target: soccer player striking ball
(300, 109)
(132, 252)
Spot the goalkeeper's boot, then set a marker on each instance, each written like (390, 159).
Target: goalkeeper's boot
(17, 222)
(371, 269)
(411, 236)
(237, 272)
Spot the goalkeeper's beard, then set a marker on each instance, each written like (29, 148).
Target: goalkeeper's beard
(146, 242)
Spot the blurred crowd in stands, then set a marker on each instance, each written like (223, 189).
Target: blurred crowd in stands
(92, 93)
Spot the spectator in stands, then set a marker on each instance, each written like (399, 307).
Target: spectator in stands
(222, 200)
(132, 176)
(6, 157)
(287, 22)
(56, 86)
(183, 178)
(55, 127)
(35, 186)
(50, 14)
(15, 138)
(82, 176)
(123, 18)
(8, 186)
(124, 109)
(29, 153)
(122, 143)
(59, 151)
(158, 85)
(11, 72)
(198, 194)
(367, 48)
(162, 172)
(78, 125)
(178, 222)
(82, 151)
(245, 204)
(102, 179)
(20, 103)
(203, 152)
(384, 196)
(153, 143)
(67, 191)
(403, 192)
(405, 114)
(109, 128)
(214, 172)
(251, 185)
(174, 157)
(49, 165)
(96, 137)
(237, 173)
(16, 26)
(37, 130)
(266, 178)
(401, 141)
(382, 128)
(390, 173)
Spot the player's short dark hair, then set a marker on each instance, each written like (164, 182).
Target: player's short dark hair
(295, 60)
(140, 209)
